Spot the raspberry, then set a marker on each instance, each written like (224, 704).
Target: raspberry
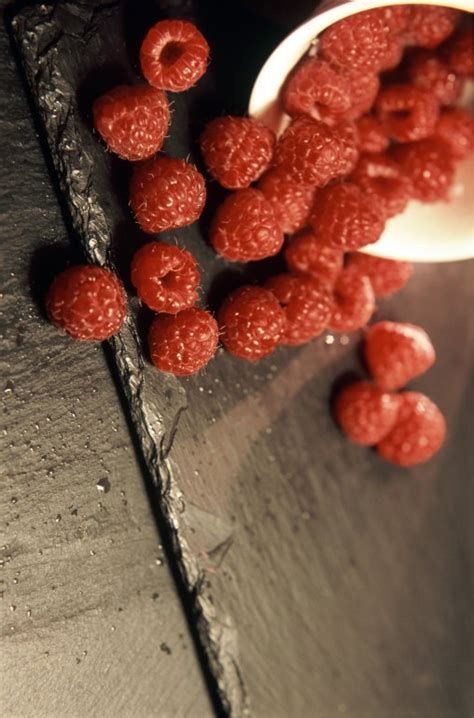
(459, 52)
(407, 112)
(307, 254)
(174, 55)
(354, 301)
(252, 323)
(429, 25)
(183, 343)
(386, 275)
(363, 89)
(396, 353)
(166, 193)
(307, 303)
(87, 302)
(245, 227)
(236, 150)
(418, 434)
(291, 201)
(396, 17)
(381, 177)
(456, 128)
(360, 42)
(430, 167)
(314, 84)
(427, 71)
(345, 218)
(132, 121)
(366, 413)
(165, 277)
(372, 135)
(394, 53)
(313, 153)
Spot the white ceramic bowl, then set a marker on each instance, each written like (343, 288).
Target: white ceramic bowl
(436, 232)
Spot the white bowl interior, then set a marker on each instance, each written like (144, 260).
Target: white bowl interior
(434, 232)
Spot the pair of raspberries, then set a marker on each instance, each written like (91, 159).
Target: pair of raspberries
(332, 180)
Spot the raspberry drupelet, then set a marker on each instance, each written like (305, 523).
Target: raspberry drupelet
(366, 413)
(174, 55)
(165, 277)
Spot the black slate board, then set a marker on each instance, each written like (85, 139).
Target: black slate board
(277, 525)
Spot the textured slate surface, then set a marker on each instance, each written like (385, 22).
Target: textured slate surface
(323, 581)
(90, 621)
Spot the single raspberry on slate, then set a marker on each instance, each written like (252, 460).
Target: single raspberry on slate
(380, 176)
(307, 303)
(313, 84)
(354, 301)
(360, 42)
(183, 343)
(459, 51)
(365, 412)
(236, 150)
(363, 89)
(397, 352)
(345, 218)
(313, 153)
(165, 277)
(166, 193)
(418, 433)
(429, 165)
(427, 71)
(291, 201)
(132, 121)
(245, 227)
(387, 276)
(174, 55)
(372, 134)
(87, 302)
(429, 25)
(252, 323)
(407, 113)
(307, 254)
(456, 127)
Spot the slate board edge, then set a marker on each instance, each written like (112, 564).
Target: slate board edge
(55, 101)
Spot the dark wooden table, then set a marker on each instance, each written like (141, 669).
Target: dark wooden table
(330, 583)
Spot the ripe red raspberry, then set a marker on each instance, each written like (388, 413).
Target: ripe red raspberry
(427, 71)
(236, 150)
(363, 89)
(456, 128)
(291, 201)
(166, 193)
(366, 413)
(183, 343)
(354, 301)
(345, 218)
(87, 302)
(408, 113)
(245, 228)
(165, 277)
(132, 121)
(307, 254)
(307, 303)
(381, 177)
(360, 42)
(396, 353)
(459, 52)
(429, 25)
(395, 17)
(314, 84)
(386, 275)
(174, 55)
(372, 135)
(429, 165)
(252, 323)
(313, 153)
(418, 433)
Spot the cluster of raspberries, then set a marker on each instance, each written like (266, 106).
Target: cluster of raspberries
(371, 126)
